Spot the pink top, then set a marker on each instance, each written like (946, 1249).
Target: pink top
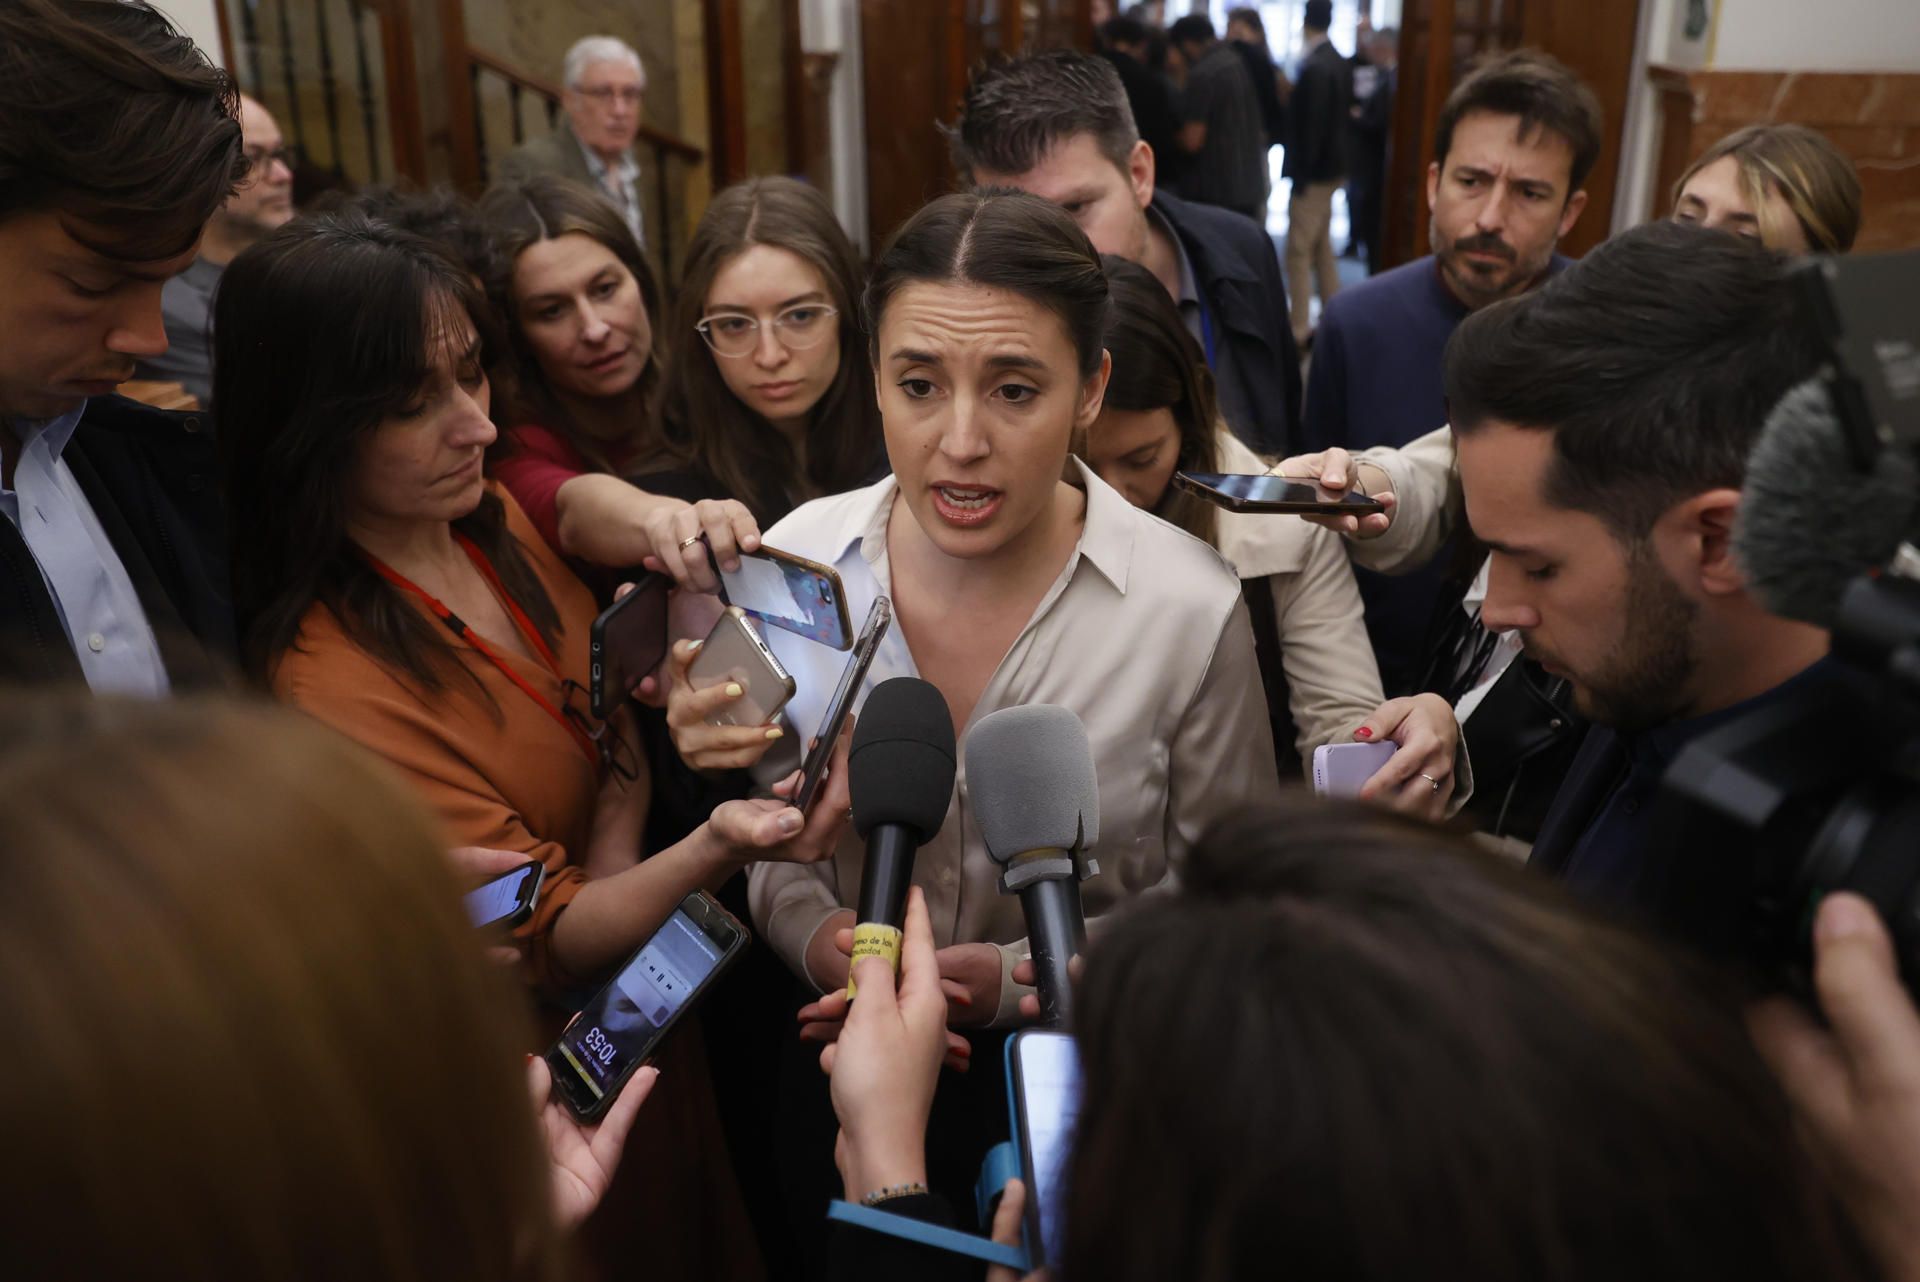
(534, 467)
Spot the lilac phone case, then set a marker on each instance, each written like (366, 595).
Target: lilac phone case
(1340, 769)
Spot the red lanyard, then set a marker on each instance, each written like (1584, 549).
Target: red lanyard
(458, 627)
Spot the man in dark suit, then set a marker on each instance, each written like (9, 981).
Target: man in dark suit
(593, 146)
(112, 550)
(1603, 424)
(1056, 124)
(1124, 42)
(1318, 112)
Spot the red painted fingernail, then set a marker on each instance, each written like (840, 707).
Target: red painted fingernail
(1363, 733)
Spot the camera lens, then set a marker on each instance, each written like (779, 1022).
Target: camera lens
(826, 594)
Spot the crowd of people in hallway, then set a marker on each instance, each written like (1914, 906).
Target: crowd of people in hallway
(302, 647)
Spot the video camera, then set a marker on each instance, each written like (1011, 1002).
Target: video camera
(1820, 791)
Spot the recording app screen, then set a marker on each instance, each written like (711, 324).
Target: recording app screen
(496, 899)
(625, 1019)
(787, 596)
(1050, 1091)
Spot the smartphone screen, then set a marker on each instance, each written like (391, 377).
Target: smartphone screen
(504, 897)
(615, 1032)
(814, 773)
(629, 640)
(1262, 490)
(787, 594)
(1046, 1084)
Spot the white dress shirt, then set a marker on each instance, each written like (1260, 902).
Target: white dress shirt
(91, 589)
(1143, 635)
(620, 182)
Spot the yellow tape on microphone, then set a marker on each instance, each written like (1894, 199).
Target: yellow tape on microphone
(874, 939)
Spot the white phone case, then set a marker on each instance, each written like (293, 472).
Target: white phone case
(1340, 769)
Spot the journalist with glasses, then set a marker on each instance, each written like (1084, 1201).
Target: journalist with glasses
(386, 586)
(769, 393)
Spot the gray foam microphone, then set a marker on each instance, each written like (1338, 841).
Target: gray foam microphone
(1810, 521)
(1032, 790)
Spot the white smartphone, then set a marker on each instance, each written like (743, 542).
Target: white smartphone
(1340, 769)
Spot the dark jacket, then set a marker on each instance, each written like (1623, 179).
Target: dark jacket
(558, 153)
(153, 481)
(1318, 118)
(1238, 276)
(1266, 90)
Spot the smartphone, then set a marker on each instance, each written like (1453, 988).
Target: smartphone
(734, 651)
(1043, 1082)
(505, 901)
(628, 641)
(790, 592)
(1248, 492)
(814, 772)
(1340, 769)
(618, 1030)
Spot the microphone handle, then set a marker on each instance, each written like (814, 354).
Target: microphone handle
(887, 875)
(1056, 930)
(884, 880)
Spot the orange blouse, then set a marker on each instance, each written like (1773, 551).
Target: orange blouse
(507, 776)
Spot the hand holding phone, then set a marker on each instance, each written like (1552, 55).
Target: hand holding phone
(627, 642)
(616, 1032)
(1342, 769)
(735, 654)
(1263, 492)
(505, 901)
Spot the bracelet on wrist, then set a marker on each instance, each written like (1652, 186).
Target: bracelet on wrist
(892, 1191)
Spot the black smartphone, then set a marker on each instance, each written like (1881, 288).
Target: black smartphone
(1260, 492)
(617, 1031)
(628, 641)
(503, 902)
(1043, 1088)
(814, 773)
(791, 593)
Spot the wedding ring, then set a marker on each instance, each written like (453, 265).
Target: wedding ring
(1430, 779)
(689, 542)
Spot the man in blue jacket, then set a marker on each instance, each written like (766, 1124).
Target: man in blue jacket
(117, 141)
(1057, 125)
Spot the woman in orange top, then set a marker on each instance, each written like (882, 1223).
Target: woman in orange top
(384, 586)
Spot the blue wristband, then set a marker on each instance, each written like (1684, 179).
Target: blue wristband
(937, 1236)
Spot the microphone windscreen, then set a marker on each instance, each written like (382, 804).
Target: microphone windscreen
(1030, 781)
(1810, 521)
(901, 766)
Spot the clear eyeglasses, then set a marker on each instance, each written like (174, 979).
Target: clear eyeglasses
(737, 334)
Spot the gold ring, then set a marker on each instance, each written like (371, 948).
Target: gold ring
(1430, 779)
(689, 542)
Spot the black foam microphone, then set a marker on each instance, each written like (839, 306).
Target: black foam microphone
(1810, 520)
(900, 771)
(1031, 786)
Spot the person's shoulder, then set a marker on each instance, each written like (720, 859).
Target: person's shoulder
(1211, 226)
(325, 665)
(822, 528)
(1163, 563)
(548, 155)
(1389, 290)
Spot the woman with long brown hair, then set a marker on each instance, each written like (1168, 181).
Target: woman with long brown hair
(769, 391)
(582, 313)
(260, 1038)
(1781, 184)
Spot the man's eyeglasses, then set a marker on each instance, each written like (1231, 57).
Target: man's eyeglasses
(607, 95)
(737, 334)
(616, 754)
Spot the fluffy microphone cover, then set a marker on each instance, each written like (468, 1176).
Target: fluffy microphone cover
(1030, 781)
(1810, 521)
(901, 765)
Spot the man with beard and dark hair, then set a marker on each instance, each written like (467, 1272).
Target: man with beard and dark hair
(1603, 426)
(1515, 141)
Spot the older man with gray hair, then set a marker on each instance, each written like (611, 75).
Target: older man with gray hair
(604, 83)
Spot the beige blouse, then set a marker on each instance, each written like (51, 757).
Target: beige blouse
(1143, 635)
(1333, 683)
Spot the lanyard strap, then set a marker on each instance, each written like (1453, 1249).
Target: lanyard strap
(459, 628)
